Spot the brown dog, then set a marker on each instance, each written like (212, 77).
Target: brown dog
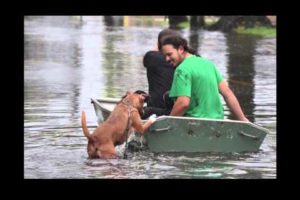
(115, 130)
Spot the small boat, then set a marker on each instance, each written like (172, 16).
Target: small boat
(189, 134)
(103, 107)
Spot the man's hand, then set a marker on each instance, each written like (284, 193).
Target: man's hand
(152, 118)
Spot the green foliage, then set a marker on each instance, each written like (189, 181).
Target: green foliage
(257, 30)
(183, 25)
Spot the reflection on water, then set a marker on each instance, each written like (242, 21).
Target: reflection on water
(69, 62)
(241, 70)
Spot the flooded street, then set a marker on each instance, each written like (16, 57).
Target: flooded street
(70, 59)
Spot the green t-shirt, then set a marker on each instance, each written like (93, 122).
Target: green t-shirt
(198, 78)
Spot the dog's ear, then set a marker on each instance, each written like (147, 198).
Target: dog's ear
(140, 92)
(141, 102)
(141, 98)
(145, 95)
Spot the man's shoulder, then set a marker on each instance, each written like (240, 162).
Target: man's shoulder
(153, 53)
(154, 58)
(205, 60)
(200, 60)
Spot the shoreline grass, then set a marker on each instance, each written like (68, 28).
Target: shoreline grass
(257, 30)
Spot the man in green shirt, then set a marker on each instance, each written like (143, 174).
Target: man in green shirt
(197, 84)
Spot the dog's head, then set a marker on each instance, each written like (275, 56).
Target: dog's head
(141, 92)
(92, 149)
(136, 99)
(146, 96)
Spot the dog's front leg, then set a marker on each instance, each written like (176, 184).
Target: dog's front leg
(138, 125)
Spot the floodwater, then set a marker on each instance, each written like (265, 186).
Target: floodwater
(70, 59)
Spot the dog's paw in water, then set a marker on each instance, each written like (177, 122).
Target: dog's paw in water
(137, 143)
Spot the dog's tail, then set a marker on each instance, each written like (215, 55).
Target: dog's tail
(86, 132)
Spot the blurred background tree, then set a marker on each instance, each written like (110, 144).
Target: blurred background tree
(224, 23)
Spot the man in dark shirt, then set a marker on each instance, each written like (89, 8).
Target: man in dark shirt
(160, 76)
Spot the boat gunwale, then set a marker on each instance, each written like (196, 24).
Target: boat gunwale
(98, 101)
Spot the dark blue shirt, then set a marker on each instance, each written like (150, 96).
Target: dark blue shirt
(159, 75)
